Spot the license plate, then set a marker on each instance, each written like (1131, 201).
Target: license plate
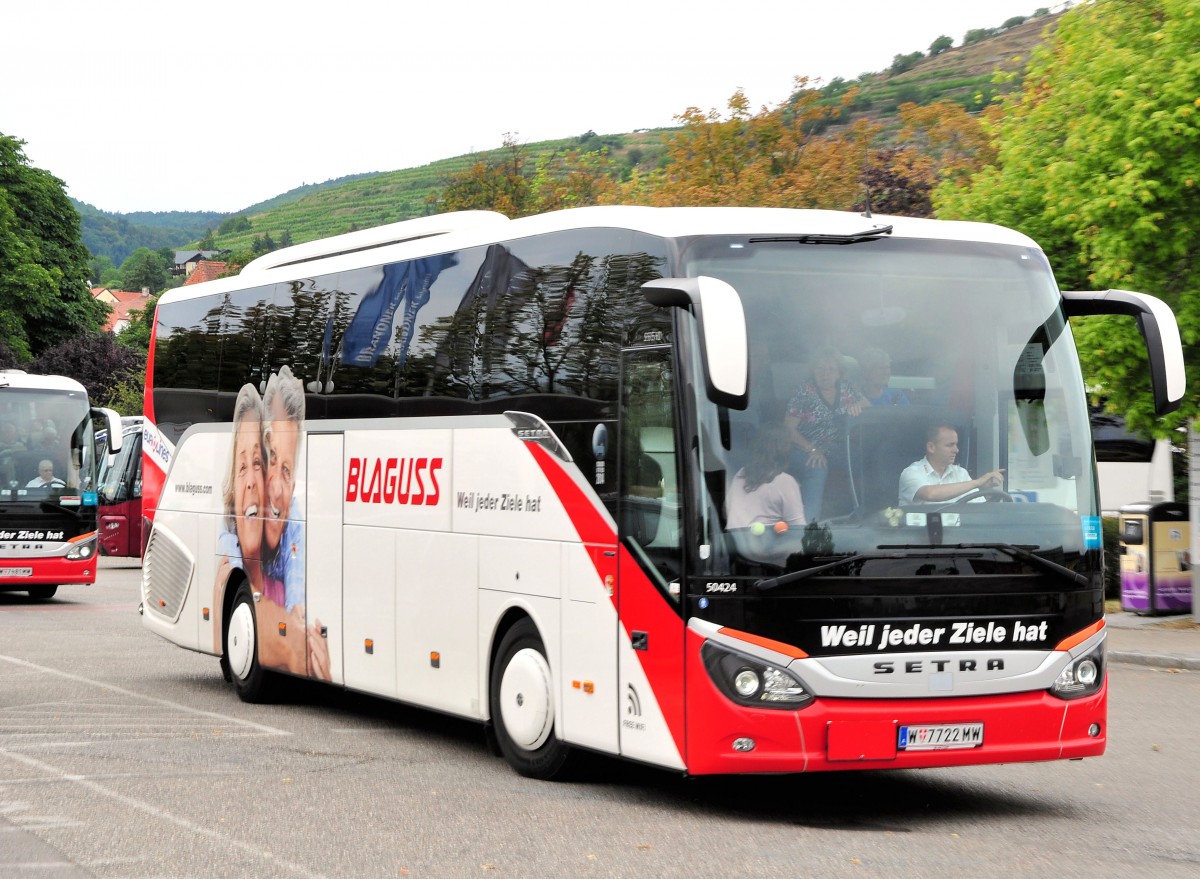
(16, 572)
(940, 737)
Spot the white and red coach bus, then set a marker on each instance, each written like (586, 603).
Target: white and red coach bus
(483, 466)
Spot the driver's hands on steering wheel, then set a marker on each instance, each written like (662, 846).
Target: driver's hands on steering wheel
(991, 479)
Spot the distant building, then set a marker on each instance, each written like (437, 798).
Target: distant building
(206, 270)
(186, 261)
(121, 303)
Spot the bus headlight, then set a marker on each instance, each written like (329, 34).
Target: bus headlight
(747, 683)
(1082, 676)
(751, 681)
(85, 549)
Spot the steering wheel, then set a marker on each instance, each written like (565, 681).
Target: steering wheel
(991, 495)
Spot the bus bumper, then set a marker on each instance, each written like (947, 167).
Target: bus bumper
(56, 571)
(843, 734)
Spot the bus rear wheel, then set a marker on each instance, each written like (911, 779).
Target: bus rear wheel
(522, 705)
(241, 648)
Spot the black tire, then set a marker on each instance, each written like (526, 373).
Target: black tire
(521, 697)
(42, 593)
(250, 680)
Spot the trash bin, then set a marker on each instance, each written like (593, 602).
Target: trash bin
(1156, 563)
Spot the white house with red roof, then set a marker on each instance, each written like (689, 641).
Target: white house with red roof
(121, 303)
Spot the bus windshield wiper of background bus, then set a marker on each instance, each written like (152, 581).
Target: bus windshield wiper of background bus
(48, 495)
(482, 465)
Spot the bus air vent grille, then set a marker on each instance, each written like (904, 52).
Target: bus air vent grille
(166, 572)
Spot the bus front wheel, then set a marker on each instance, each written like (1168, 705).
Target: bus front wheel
(241, 648)
(522, 705)
(42, 593)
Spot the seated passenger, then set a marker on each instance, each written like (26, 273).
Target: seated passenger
(763, 492)
(10, 441)
(936, 477)
(45, 477)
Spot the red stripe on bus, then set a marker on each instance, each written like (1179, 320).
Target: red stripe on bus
(635, 598)
(592, 526)
(148, 390)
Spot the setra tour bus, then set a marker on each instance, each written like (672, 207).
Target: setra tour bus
(500, 469)
(48, 500)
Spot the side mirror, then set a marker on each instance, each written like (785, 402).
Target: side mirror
(113, 421)
(1157, 324)
(724, 345)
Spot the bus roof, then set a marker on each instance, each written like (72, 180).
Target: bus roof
(425, 236)
(17, 378)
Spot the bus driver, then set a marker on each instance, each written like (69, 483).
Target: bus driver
(936, 477)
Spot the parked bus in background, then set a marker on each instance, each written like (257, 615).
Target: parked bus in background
(487, 466)
(120, 490)
(48, 500)
(1131, 469)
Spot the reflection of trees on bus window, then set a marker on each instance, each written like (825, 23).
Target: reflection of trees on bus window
(535, 325)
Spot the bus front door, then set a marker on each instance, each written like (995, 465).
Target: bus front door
(650, 562)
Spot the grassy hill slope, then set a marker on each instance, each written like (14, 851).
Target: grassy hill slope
(965, 74)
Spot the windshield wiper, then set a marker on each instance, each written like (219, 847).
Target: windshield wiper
(52, 507)
(797, 576)
(872, 234)
(1021, 552)
(901, 551)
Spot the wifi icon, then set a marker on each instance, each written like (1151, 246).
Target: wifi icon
(633, 704)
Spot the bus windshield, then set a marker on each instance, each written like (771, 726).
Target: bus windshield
(46, 446)
(878, 368)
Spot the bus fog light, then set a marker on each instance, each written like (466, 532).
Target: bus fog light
(743, 744)
(1094, 730)
(746, 683)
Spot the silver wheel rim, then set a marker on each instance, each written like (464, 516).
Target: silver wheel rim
(526, 701)
(241, 641)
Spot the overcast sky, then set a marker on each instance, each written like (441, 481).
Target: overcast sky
(141, 105)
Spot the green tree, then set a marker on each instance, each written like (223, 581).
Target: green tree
(144, 268)
(44, 296)
(100, 267)
(901, 63)
(136, 334)
(233, 225)
(940, 45)
(1099, 160)
(977, 34)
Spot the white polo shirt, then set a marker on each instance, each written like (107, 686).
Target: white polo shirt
(918, 474)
